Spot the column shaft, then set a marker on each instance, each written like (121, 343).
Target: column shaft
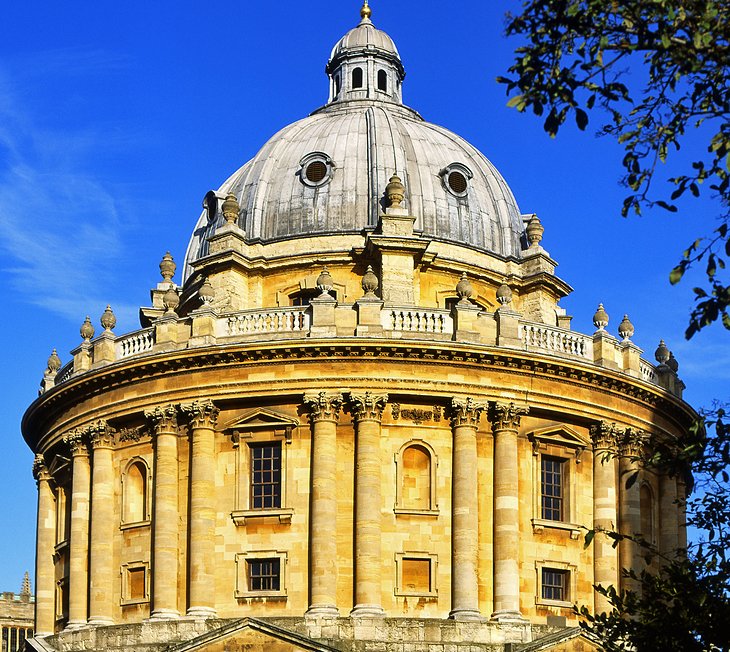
(78, 575)
(165, 542)
(323, 511)
(605, 561)
(367, 410)
(668, 535)
(102, 528)
(629, 520)
(201, 554)
(464, 525)
(45, 543)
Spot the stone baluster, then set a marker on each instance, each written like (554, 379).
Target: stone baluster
(367, 411)
(465, 415)
(45, 583)
(629, 448)
(165, 534)
(101, 574)
(78, 553)
(605, 562)
(505, 420)
(324, 411)
(203, 416)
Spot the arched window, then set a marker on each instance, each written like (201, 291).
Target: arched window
(357, 78)
(646, 500)
(382, 81)
(416, 478)
(135, 484)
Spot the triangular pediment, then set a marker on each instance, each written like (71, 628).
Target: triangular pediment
(251, 635)
(573, 639)
(559, 436)
(260, 419)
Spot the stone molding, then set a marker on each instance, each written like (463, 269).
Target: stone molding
(323, 406)
(466, 412)
(100, 435)
(367, 406)
(507, 416)
(162, 419)
(202, 414)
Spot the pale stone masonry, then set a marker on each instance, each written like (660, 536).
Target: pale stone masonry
(361, 421)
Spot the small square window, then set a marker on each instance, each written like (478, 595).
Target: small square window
(261, 574)
(415, 574)
(264, 574)
(554, 584)
(135, 588)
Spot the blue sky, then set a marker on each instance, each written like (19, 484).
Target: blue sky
(117, 118)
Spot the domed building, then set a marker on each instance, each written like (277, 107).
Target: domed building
(360, 421)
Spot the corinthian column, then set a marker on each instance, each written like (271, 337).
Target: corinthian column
(102, 525)
(668, 516)
(45, 583)
(367, 411)
(324, 412)
(605, 562)
(464, 510)
(201, 554)
(505, 425)
(165, 544)
(78, 552)
(629, 501)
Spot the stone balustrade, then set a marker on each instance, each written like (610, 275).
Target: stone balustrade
(296, 322)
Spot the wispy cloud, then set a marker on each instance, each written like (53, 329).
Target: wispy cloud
(59, 222)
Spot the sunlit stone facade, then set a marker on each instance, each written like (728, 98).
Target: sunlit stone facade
(360, 418)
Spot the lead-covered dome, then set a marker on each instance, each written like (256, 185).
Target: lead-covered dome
(326, 174)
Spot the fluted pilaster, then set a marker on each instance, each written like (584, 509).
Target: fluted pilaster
(605, 559)
(465, 415)
(324, 411)
(165, 534)
(203, 416)
(367, 411)
(45, 583)
(505, 418)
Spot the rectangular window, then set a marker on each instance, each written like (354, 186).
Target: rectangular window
(555, 585)
(266, 475)
(264, 574)
(552, 488)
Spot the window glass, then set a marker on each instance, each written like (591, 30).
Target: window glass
(357, 78)
(266, 475)
(264, 574)
(551, 488)
(382, 81)
(555, 584)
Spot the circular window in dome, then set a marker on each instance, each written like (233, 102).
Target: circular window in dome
(455, 178)
(316, 169)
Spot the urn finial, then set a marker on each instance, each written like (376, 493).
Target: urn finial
(54, 362)
(206, 292)
(504, 294)
(369, 282)
(325, 282)
(534, 231)
(626, 329)
(108, 320)
(395, 191)
(661, 355)
(230, 208)
(167, 267)
(600, 318)
(170, 299)
(464, 289)
(87, 329)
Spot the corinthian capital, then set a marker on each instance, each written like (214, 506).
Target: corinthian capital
(40, 470)
(100, 435)
(604, 436)
(162, 419)
(466, 412)
(368, 406)
(76, 442)
(507, 416)
(323, 406)
(631, 443)
(202, 414)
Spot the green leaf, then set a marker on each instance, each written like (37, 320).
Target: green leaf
(675, 276)
(726, 320)
(516, 101)
(589, 538)
(581, 119)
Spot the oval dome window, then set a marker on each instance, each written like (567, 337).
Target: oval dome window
(457, 182)
(316, 171)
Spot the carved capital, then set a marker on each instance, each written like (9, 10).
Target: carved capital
(162, 419)
(466, 412)
(202, 414)
(40, 470)
(604, 436)
(631, 443)
(100, 435)
(323, 406)
(76, 442)
(368, 406)
(507, 416)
